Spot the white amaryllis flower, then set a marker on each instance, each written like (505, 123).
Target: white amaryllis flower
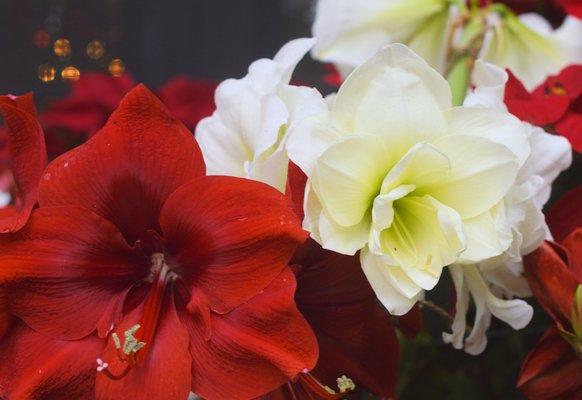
(397, 172)
(494, 282)
(351, 31)
(246, 135)
(530, 47)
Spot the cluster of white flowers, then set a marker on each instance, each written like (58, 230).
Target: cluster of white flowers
(395, 171)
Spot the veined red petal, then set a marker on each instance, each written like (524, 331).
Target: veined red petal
(565, 215)
(230, 237)
(27, 158)
(129, 168)
(573, 246)
(253, 349)
(35, 366)
(5, 317)
(296, 181)
(551, 281)
(166, 372)
(552, 370)
(67, 271)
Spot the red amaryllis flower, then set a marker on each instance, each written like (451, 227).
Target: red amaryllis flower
(565, 214)
(23, 160)
(357, 343)
(553, 370)
(556, 104)
(140, 277)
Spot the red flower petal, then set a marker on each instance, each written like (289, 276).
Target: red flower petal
(538, 110)
(27, 158)
(571, 128)
(354, 333)
(5, 317)
(296, 181)
(410, 324)
(35, 366)
(552, 370)
(67, 271)
(565, 215)
(568, 81)
(253, 349)
(552, 283)
(189, 100)
(166, 372)
(573, 246)
(231, 236)
(128, 169)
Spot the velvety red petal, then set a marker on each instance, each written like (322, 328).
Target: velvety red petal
(27, 158)
(568, 81)
(253, 349)
(67, 271)
(127, 170)
(572, 7)
(296, 181)
(565, 214)
(5, 317)
(552, 371)
(571, 128)
(538, 110)
(166, 372)
(188, 99)
(354, 333)
(410, 324)
(229, 236)
(35, 366)
(551, 281)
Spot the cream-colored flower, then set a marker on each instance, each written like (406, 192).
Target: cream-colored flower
(351, 31)
(493, 283)
(246, 135)
(530, 47)
(397, 172)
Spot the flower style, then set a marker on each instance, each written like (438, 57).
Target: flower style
(553, 369)
(556, 103)
(140, 277)
(396, 172)
(246, 135)
(493, 282)
(351, 31)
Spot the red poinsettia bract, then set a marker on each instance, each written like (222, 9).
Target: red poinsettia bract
(357, 342)
(553, 370)
(138, 276)
(556, 103)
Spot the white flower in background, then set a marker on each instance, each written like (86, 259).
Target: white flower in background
(397, 172)
(494, 282)
(530, 47)
(351, 31)
(246, 135)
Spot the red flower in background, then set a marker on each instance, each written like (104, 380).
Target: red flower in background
(70, 121)
(557, 103)
(553, 369)
(165, 280)
(355, 335)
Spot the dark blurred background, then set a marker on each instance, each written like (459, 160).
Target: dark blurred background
(153, 39)
(44, 44)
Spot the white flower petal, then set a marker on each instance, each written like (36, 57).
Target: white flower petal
(343, 239)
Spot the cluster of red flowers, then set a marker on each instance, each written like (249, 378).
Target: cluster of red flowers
(127, 272)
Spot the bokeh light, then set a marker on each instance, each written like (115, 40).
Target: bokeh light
(70, 73)
(116, 67)
(95, 50)
(41, 39)
(46, 73)
(62, 48)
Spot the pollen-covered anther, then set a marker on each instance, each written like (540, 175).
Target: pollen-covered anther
(345, 384)
(131, 344)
